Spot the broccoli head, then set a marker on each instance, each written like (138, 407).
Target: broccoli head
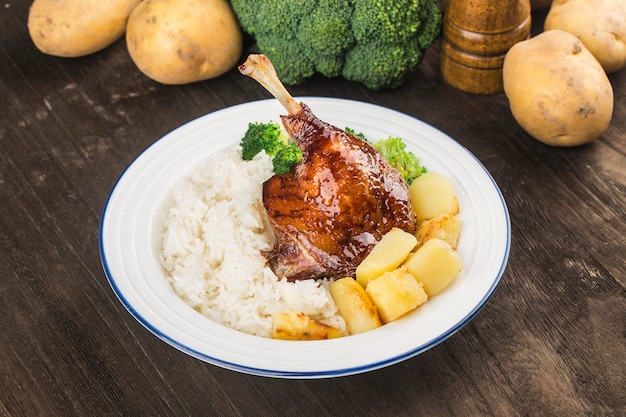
(353, 132)
(268, 137)
(375, 42)
(285, 154)
(394, 151)
(286, 158)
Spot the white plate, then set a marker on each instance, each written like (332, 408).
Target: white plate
(132, 223)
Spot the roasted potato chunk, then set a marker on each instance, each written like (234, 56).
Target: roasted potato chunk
(396, 293)
(291, 325)
(435, 264)
(387, 255)
(446, 227)
(433, 194)
(355, 305)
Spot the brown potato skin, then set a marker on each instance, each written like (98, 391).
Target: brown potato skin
(558, 92)
(599, 24)
(74, 28)
(184, 41)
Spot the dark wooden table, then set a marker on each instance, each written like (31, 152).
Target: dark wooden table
(550, 342)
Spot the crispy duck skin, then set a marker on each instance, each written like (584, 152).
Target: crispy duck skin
(337, 203)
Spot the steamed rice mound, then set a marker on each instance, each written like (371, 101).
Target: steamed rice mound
(214, 233)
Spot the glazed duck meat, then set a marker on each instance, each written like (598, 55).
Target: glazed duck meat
(337, 203)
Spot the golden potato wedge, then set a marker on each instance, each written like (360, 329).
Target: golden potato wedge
(435, 264)
(396, 293)
(432, 195)
(291, 325)
(387, 255)
(355, 305)
(445, 226)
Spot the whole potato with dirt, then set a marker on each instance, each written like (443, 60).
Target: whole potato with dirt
(599, 24)
(73, 28)
(558, 92)
(184, 41)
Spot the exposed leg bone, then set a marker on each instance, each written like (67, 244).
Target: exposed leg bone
(330, 210)
(260, 68)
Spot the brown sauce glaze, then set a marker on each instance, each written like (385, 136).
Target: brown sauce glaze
(334, 206)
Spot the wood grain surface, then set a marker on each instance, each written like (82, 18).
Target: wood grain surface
(550, 342)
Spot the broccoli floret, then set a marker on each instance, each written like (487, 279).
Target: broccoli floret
(353, 132)
(285, 154)
(431, 20)
(286, 158)
(327, 34)
(380, 66)
(268, 137)
(394, 151)
(274, 25)
(392, 37)
(375, 42)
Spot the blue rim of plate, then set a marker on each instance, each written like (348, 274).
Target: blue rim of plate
(295, 374)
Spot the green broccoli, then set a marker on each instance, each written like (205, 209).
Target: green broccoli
(285, 154)
(375, 42)
(286, 158)
(353, 132)
(269, 137)
(394, 151)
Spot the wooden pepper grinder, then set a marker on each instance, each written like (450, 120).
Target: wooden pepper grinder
(476, 36)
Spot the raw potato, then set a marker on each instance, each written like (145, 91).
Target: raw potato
(184, 41)
(446, 227)
(557, 90)
(432, 195)
(355, 305)
(396, 293)
(599, 24)
(73, 28)
(291, 325)
(435, 264)
(387, 255)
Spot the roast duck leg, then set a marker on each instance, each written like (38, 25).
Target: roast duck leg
(337, 203)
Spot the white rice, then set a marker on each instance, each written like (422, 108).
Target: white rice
(214, 233)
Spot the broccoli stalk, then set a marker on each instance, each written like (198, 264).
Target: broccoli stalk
(374, 42)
